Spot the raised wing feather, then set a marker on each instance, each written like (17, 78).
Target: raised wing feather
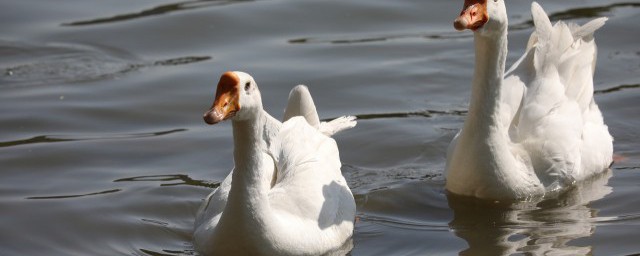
(300, 103)
(557, 106)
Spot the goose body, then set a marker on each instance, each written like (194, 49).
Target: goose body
(536, 129)
(286, 194)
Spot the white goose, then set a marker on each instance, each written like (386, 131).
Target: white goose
(286, 194)
(535, 130)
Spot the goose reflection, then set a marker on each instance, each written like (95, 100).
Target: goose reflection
(538, 228)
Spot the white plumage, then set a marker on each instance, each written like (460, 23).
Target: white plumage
(286, 194)
(535, 130)
(301, 104)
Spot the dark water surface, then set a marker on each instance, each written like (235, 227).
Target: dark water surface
(103, 150)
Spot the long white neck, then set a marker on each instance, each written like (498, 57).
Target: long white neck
(484, 108)
(482, 163)
(248, 197)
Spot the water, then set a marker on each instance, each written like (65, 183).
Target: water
(103, 150)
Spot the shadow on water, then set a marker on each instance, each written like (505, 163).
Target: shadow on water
(158, 10)
(52, 139)
(538, 228)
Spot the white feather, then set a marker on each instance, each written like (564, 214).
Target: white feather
(285, 196)
(301, 104)
(551, 132)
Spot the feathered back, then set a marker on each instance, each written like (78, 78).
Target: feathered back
(569, 50)
(302, 148)
(309, 165)
(558, 120)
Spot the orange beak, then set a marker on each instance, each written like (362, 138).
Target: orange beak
(473, 16)
(226, 103)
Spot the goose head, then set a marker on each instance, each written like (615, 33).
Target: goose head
(237, 98)
(484, 17)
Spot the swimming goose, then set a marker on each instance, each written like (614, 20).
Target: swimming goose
(535, 130)
(286, 194)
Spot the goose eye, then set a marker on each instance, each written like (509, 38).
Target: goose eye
(247, 85)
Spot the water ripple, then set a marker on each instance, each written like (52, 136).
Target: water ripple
(180, 61)
(168, 252)
(28, 64)
(158, 10)
(381, 38)
(51, 139)
(578, 13)
(590, 12)
(405, 224)
(80, 69)
(422, 113)
(622, 219)
(78, 195)
(617, 88)
(627, 168)
(363, 180)
(180, 178)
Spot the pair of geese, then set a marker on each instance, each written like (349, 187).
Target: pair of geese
(530, 131)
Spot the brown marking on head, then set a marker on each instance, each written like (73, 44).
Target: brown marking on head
(473, 16)
(226, 103)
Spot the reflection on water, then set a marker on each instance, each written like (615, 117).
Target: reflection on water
(543, 228)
